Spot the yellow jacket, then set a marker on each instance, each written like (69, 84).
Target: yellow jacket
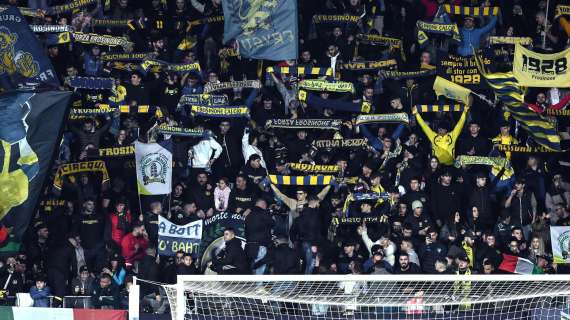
(443, 147)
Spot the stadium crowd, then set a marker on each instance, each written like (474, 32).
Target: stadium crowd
(438, 216)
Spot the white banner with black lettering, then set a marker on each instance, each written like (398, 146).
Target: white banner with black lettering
(173, 238)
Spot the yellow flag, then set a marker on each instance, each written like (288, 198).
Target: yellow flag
(443, 87)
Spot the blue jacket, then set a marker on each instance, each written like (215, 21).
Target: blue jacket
(41, 297)
(470, 38)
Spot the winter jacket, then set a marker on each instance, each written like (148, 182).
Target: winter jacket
(41, 297)
(205, 150)
(258, 224)
(307, 227)
(471, 38)
(130, 253)
(231, 259)
(120, 225)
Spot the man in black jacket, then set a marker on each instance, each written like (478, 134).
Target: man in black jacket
(405, 266)
(474, 144)
(306, 230)
(105, 294)
(258, 225)
(480, 197)
(231, 259)
(445, 198)
(281, 259)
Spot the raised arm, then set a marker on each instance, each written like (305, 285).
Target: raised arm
(425, 128)
(459, 126)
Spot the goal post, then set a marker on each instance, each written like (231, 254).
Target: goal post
(370, 297)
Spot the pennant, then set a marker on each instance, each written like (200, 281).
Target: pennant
(340, 143)
(178, 131)
(401, 117)
(23, 61)
(220, 111)
(511, 93)
(323, 124)
(29, 136)
(533, 69)
(471, 11)
(314, 168)
(323, 85)
(314, 180)
(300, 71)
(212, 87)
(440, 108)
(154, 167)
(443, 87)
(79, 167)
(262, 29)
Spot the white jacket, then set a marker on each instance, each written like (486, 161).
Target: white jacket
(248, 149)
(203, 152)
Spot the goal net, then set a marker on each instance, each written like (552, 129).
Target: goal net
(370, 297)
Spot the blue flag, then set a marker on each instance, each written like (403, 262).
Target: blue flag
(22, 58)
(29, 136)
(263, 29)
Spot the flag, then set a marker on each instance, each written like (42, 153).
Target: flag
(22, 58)
(443, 87)
(511, 94)
(154, 167)
(21, 313)
(30, 130)
(560, 240)
(262, 29)
(514, 264)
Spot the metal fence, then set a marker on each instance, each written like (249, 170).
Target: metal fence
(76, 302)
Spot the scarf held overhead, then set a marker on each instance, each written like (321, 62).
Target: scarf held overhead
(203, 100)
(114, 152)
(339, 105)
(179, 131)
(92, 83)
(440, 28)
(314, 168)
(323, 124)
(341, 143)
(323, 85)
(299, 71)
(456, 107)
(401, 117)
(313, 180)
(471, 11)
(73, 168)
(40, 28)
(211, 87)
(220, 111)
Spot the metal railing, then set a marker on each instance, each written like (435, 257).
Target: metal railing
(76, 302)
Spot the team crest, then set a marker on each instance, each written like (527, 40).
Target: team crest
(15, 62)
(154, 168)
(253, 15)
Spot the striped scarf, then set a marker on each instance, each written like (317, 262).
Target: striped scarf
(312, 180)
(314, 168)
(456, 107)
(297, 71)
(471, 11)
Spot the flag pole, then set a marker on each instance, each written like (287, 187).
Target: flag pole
(545, 24)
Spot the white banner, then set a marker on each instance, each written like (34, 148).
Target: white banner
(173, 238)
(560, 239)
(154, 167)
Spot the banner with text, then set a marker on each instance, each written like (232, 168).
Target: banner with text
(461, 70)
(533, 69)
(173, 237)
